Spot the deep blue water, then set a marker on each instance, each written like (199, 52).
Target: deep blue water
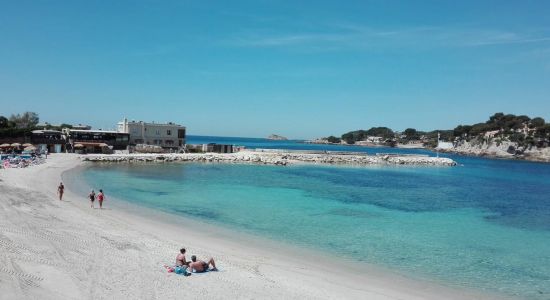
(254, 143)
(482, 225)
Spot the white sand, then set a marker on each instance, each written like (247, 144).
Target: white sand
(51, 249)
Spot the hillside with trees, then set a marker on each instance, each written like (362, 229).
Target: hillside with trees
(501, 135)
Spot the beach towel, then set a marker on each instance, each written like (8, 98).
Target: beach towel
(177, 269)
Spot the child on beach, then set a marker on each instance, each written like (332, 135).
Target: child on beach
(100, 198)
(92, 198)
(60, 190)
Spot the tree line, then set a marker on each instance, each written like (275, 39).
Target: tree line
(20, 125)
(521, 129)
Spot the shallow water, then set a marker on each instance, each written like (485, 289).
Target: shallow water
(484, 225)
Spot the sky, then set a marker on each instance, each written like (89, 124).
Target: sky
(301, 69)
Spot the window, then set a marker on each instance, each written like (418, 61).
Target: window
(157, 132)
(168, 132)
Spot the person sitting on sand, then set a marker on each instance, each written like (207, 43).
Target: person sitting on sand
(201, 266)
(92, 198)
(180, 258)
(100, 198)
(60, 190)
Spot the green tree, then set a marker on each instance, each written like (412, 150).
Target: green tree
(384, 132)
(348, 137)
(333, 139)
(537, 122)
(462, 130)
(543, 132)
(4, 122)
(26, 120)
(411, 134)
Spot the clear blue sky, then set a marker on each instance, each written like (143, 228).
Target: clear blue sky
(252, 68)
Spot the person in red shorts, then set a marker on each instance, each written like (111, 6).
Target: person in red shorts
(100, 198)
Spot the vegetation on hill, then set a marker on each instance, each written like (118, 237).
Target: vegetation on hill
(361, 135)
(500, 127)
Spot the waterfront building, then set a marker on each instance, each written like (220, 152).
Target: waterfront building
(166, 135)
(95, 141)
(51, 140)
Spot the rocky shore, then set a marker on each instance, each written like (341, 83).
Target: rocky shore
(276, 158)
(503, 150)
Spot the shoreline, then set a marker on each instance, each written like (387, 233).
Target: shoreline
(468, 153)
(488, 155)
(250, 267)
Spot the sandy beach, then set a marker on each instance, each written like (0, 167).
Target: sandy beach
(51, 249)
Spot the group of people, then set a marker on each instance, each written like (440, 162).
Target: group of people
(197, 265)
(92, 196)
(100, 197)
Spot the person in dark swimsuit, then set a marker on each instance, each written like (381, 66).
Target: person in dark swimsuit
(92, 198)
(60, 190)
(200, 265)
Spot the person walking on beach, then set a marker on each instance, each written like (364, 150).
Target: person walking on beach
(100, 198)
(92, 198)
(200, 265)
(60, 190)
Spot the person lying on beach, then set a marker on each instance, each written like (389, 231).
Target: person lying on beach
(201, 266)
(92, 198)
(60, 190)
(180, 258)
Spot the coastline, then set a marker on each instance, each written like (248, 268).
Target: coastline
(250, 267)
(537, 155)
(541, 158)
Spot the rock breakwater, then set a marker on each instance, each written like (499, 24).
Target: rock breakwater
(279, 158)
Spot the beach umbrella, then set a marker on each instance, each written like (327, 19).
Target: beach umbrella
(103, 145)
(5, 145)
(27, 145)
(30, 148)
(78, 145)
(15, 145)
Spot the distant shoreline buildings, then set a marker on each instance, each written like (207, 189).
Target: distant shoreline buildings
(129, 136)
(168, 135)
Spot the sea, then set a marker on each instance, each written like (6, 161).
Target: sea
(482, 225)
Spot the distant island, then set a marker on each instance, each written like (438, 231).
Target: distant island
(276, 137)
(502, 136)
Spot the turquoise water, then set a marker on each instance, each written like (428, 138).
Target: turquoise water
(484, 225)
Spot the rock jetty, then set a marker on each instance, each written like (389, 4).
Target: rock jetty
(276, 158)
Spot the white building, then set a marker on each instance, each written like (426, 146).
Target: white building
(168, 135)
